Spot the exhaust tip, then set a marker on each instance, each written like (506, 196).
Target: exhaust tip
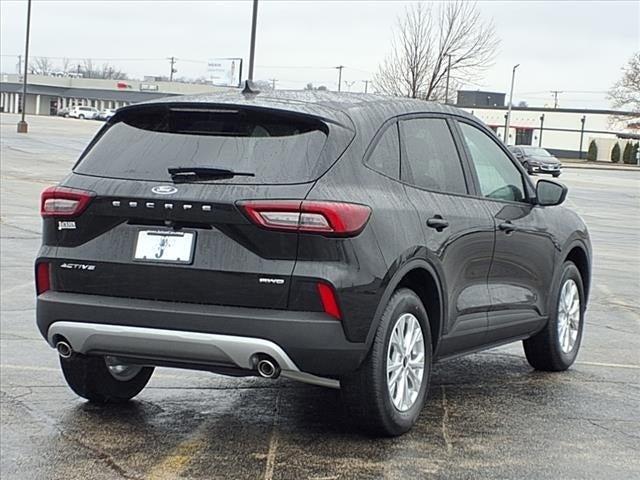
(268, 368)
(64, 349)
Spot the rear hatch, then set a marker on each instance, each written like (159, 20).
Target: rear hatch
(147, 234)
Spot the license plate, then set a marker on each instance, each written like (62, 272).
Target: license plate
(164, 246)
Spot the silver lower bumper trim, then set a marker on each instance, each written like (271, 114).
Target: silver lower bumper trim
(175, 345)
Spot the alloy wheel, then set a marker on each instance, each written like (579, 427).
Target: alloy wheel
(120, 371)
(405, 362)
(568, 316)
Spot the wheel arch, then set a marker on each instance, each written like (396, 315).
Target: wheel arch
(421, 277)
(577, 254)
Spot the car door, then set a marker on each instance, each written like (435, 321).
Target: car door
(458, 231)
(525, 251)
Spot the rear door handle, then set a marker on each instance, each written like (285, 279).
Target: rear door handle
(438, 223)
(507, 227)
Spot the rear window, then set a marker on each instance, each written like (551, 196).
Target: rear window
(142, 144)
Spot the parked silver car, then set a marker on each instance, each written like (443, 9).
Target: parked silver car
(106, 114)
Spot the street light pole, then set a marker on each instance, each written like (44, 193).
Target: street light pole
(22, 124)
(506, 127)
(252, 50)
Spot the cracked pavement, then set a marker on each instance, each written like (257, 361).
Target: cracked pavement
(489, 415)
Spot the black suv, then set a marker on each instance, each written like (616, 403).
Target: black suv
(347, 241)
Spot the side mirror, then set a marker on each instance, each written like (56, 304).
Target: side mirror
(550, 193)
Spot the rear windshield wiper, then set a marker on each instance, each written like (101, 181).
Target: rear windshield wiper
(190, 174)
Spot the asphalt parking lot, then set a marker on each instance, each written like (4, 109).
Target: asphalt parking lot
(488, 415)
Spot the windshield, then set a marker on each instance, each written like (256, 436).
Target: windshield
(536, 152)
(142, 145)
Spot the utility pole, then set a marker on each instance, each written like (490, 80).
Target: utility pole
(339, 68)
(506, 127)
(582, 120)
(366, 85)
(19, 65)
(22, 124)
(555, 97)
(349, 84)
(273, 83)
(172, 61)
(446, 94)
(252, 49)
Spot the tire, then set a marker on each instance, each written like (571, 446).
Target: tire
(90, 378)
(365, 392)
(555, 175)
(544, 350)
(81, 117)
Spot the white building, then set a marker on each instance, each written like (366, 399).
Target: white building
(46, 94)
(565, 132)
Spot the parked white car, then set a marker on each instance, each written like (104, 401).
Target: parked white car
(106, 114)
(89, 113)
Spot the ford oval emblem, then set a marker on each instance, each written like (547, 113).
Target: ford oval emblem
(164, 189)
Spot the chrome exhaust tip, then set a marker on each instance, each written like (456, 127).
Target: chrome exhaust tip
(268, 368)
(64, 349)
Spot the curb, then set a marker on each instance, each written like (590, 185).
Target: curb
(621, 168)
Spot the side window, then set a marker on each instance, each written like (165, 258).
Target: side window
(499, 178)
(430, 159)
(385, 157)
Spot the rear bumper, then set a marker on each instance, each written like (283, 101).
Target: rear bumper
(192, 334)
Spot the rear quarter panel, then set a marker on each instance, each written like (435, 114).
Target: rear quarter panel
(359, 267)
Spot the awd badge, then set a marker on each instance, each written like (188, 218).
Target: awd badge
(66, 225)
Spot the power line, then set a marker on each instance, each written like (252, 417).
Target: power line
(120, 59)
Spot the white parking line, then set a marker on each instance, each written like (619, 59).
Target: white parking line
(610, 365)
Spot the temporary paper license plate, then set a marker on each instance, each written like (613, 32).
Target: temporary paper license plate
(164, 246)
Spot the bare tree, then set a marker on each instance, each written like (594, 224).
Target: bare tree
(106, 71)
(87, 70)
(41, 66)
(431, 42)
(625, 93)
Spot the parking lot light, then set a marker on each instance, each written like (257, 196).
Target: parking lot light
(506, 127)
(23, 127)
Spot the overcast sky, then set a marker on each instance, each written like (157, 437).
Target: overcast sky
(576, 47)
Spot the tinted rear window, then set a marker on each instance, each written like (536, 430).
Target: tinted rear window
(142, 144)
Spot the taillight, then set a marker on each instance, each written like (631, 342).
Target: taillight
(43, 278)
(327, 218)
(328, 299)
(64, 202)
